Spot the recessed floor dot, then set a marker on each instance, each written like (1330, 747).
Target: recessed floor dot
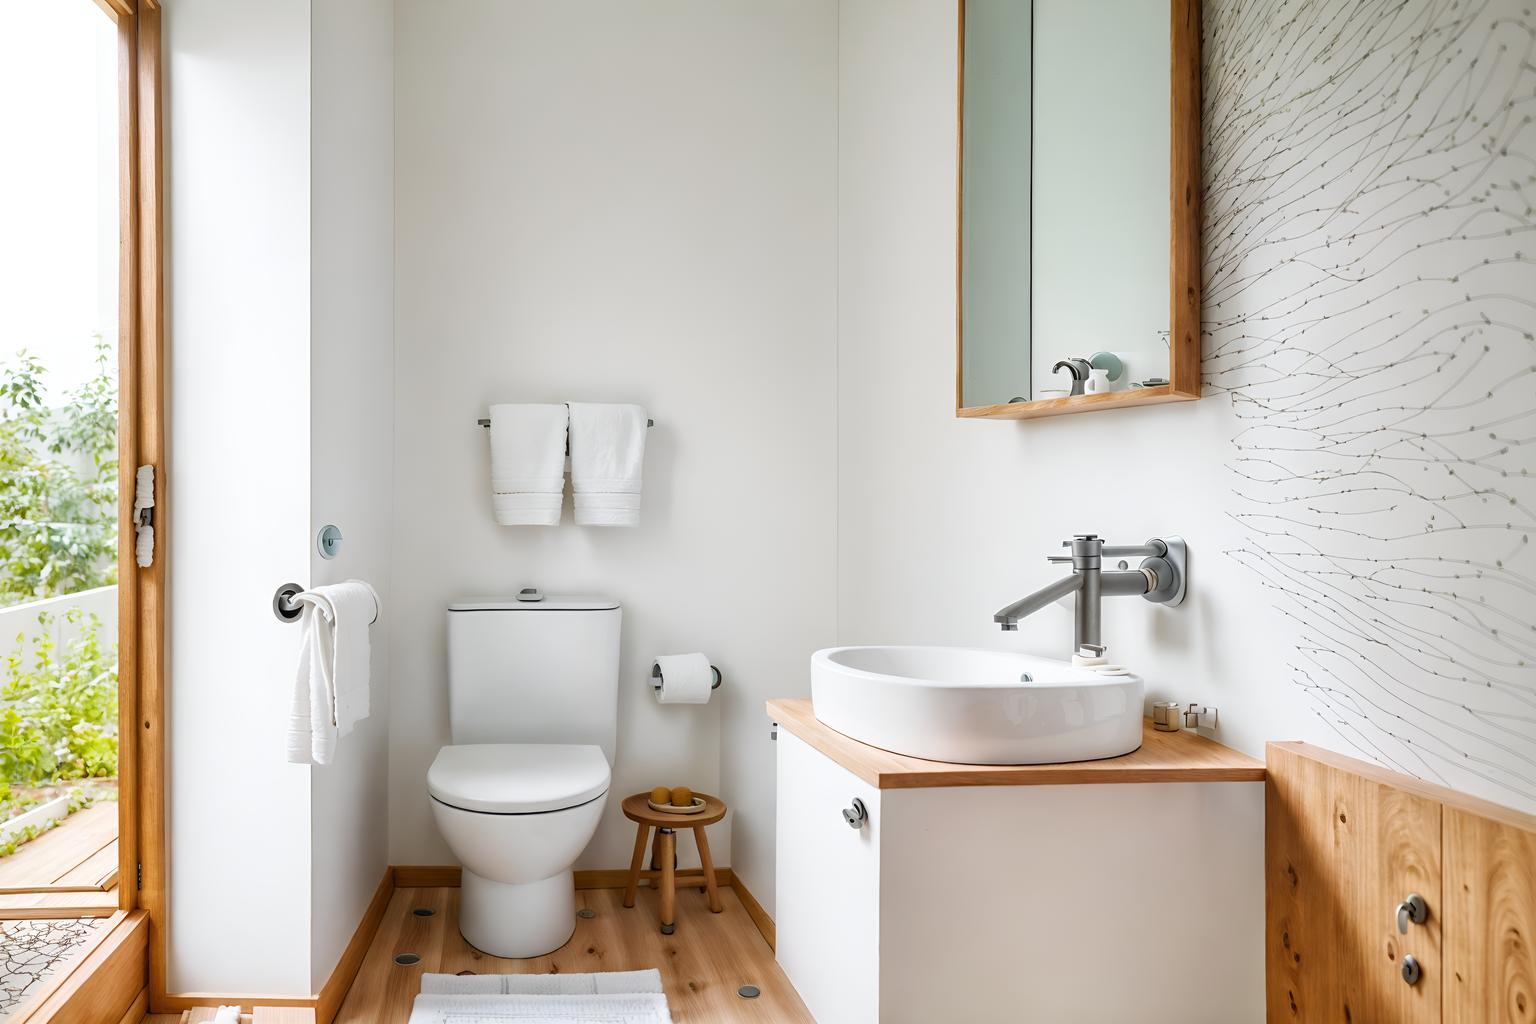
(587, 912)
(748, 992)
(423, 911)
(407, 959)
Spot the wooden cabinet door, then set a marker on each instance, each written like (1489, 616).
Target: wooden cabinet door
(1490, 919)
(1342, 850)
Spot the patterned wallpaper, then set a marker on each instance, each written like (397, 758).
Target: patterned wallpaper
(1371, 316)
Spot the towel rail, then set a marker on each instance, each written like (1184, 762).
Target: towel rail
(288, 608)
(485, 422)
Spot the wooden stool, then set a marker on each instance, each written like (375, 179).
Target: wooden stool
(637, 808)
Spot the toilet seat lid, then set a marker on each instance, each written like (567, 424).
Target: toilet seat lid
(518, 778)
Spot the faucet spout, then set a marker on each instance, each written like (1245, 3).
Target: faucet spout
(1009, 617)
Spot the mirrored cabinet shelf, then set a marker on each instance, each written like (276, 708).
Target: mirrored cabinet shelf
(1078, 212)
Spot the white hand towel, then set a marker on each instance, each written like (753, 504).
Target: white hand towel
(330, 694)
(607, 453)
(227, 1015)
(528, 463)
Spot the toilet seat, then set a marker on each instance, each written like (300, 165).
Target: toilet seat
(518, 778)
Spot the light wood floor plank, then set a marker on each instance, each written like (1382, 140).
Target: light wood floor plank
(702, 964)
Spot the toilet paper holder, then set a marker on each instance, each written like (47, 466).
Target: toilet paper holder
(656, 675)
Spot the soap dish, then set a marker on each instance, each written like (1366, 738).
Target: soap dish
(695, 808)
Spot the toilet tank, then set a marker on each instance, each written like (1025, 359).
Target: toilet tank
(534, 671)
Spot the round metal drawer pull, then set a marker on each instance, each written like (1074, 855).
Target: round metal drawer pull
(1412, 972)
(856, 815)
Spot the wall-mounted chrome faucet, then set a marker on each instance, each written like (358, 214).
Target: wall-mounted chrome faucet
(1160, 578)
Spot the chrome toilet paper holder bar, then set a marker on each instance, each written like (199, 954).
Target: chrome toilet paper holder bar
(656, 674)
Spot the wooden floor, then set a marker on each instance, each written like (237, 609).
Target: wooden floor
(702, 964)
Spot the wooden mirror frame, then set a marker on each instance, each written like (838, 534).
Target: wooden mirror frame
(1183, 236)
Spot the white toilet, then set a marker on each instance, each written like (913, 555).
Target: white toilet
(533, 708)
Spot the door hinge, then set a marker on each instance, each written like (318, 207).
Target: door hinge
(140, 876)
(144, 516)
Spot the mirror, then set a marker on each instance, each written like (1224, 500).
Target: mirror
(1078, 253)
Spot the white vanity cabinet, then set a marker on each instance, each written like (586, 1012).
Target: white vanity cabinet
(1015, 901)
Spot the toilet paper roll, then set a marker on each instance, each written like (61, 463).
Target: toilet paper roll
(685, 679)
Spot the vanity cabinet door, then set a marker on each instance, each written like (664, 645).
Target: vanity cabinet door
(828, 886)
(1342, 851)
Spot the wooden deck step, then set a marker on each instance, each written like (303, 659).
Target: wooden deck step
(80, 855)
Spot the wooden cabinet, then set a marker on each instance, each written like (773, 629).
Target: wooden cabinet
(1490, 918)
(1346, 843)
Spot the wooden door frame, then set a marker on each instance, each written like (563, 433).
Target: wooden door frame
(141, 441)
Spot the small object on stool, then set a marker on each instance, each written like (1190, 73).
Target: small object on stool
(637, 809)
(661, 795)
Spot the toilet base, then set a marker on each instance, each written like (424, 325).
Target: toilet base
(517, 921)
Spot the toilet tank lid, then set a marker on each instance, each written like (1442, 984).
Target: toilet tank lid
(545, 604)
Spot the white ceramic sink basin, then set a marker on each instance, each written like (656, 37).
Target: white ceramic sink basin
(976, 707)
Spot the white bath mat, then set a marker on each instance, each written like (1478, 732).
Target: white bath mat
(600, 983)
(608, 997)
(628, 1008)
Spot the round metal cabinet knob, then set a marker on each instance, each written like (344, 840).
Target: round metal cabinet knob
(856, 815)
(1412, 972)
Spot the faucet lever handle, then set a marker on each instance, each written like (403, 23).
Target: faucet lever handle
(1059, 558)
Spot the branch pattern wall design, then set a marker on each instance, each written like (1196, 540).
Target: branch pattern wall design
(1370, 313)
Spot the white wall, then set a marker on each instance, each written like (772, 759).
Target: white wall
(352, 419)
(607, 201)
(1359, 542)
(280, 259)
(238, 164)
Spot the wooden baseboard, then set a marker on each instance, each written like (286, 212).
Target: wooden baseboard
(448, 876)
(758, 915)
(101, 983)
(427, 876)
(328, 1002)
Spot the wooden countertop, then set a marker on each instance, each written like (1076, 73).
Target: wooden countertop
(1163, 757)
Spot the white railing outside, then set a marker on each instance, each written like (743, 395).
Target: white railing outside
(21, 620)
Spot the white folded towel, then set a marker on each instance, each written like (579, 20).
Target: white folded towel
(227, 1015)
(528, 463)
(607, 453)
(330, 689)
